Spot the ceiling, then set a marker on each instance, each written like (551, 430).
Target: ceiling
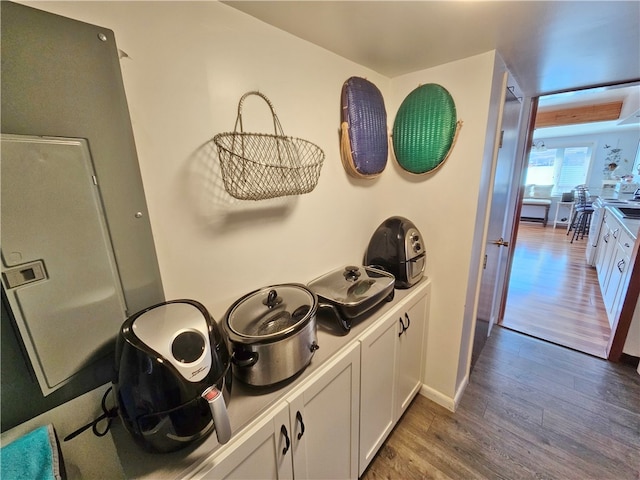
(629, 118)
(548, 46)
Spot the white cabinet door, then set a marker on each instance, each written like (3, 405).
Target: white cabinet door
(409, 362)
(324, 421)
(603, 242)
(604, 263)
(261, 453)
(377, 410)
(391, 364)
(617, 285)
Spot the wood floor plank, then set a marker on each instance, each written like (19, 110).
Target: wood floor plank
(619, 423)
(618, 451)
(531, 410)
(566, 454)
(553, 293)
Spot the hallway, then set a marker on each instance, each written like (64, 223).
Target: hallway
(553, 294)
(531, 410)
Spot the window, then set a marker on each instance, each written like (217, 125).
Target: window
(563, 167)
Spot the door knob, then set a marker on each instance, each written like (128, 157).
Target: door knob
(501, 242)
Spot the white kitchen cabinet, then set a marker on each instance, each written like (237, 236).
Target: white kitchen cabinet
(324, 421)
(260, 453)
(409, 355)
(313, 435)
(619, 282)
(333, 418)
(391, 373)
(613, 264)
(614, 287)
(377, 413)
(606, 246)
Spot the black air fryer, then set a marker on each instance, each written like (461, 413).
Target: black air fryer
(172, 376)
(397, 247)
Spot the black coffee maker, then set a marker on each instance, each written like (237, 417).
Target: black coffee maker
(172, 376)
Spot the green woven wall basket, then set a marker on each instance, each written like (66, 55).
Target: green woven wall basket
(425, 129)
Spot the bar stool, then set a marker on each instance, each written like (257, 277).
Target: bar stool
(582, 215)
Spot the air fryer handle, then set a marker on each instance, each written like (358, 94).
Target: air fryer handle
(219, 413)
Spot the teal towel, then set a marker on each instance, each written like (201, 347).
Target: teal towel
(33, 456)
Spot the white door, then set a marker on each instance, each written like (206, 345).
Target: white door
(500, 220)
(409, 354)
(377, 381)
(324, 421)
(263, 453)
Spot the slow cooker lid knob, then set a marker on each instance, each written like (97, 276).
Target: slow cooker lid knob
(272, 299)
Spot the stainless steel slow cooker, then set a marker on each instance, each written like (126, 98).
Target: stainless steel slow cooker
(272, 333)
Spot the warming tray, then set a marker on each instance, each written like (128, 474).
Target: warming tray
(351, 291)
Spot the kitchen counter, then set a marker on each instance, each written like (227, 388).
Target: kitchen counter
(631, 225)
(247, 403)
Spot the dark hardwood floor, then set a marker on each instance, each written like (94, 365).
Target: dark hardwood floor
(553, 294)
(531, 410)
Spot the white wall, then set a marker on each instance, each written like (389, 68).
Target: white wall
(446, 204)
(187, 65)
(626, 140)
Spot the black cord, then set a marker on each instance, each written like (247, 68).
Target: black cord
(108, 414)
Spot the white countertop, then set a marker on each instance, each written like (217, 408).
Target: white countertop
(631, 225)
(246, 402)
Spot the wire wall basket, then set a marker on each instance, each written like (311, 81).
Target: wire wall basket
(259, 166)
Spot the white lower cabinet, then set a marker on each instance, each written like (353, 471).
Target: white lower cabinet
(377, 415)
(391, 373)
(324, 421)
(613, 265)
(259, 453)
(333, 423)
(313, 435)
(409, 355)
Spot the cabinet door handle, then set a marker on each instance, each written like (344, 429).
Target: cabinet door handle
(606, 238)
(284, 432)
(615, 233)
(621, 265)
(299, 418)
(404, 327)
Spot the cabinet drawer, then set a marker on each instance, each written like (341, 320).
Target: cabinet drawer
(626, 242)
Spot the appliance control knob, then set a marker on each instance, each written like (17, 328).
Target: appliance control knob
(188, 347)
(417, 247)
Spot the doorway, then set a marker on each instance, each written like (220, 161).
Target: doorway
(553, 293)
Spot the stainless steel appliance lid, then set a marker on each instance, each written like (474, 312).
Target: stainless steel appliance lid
(272, 311)
(352, 285)
(179, 332)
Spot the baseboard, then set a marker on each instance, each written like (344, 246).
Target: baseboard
(443, 400)
(438, 397)
(461, 388)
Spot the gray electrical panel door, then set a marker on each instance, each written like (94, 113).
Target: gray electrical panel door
(58, 266)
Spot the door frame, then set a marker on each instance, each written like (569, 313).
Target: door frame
(622, 322)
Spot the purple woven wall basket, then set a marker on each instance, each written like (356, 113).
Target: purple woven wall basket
(364, 137)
